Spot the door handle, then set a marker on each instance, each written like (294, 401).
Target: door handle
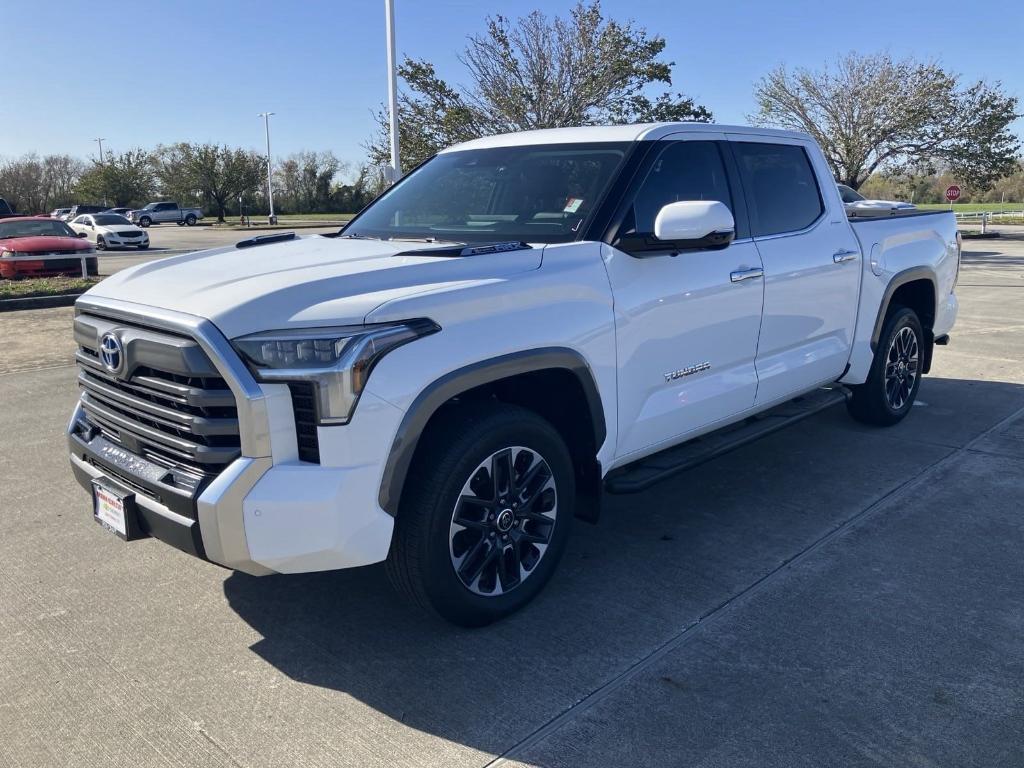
(844, 255)
(746, 274)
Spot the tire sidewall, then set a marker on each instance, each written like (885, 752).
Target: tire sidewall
(901, 318)
(443, 586)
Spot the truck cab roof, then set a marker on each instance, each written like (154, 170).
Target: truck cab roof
(617, 133)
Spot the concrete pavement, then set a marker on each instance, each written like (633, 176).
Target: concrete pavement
(833, 595)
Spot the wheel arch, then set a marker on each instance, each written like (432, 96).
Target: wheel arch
(916, 288)
(540, 379)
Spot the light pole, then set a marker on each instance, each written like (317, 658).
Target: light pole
(389, 18)
(270, 185)
(102, 160)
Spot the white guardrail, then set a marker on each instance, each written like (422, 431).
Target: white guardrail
(990, 215)
(82, 256)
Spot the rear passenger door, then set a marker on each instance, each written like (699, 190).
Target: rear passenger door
(812, 265)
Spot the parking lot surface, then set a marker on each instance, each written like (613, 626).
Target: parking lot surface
(834, 595)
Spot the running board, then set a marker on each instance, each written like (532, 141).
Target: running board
(644, 473)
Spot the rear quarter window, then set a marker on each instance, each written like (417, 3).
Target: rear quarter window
(780, 185)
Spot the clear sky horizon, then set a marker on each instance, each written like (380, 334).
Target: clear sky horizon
(141, 74)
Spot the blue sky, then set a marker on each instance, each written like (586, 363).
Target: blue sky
(143, 73)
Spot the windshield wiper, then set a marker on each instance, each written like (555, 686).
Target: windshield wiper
(360, 237)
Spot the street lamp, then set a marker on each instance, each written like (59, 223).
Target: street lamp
(270, 185)
(102, 160)
(389, 18)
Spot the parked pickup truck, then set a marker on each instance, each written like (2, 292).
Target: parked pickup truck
(162, 213)
(518, 325)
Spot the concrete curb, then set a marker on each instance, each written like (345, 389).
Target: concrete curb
(39, 302)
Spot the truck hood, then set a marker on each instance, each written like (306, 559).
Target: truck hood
(306, 282)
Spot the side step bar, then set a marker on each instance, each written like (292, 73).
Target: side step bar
(644, 473)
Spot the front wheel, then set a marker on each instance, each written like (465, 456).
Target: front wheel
(101, 244)
(145, 221)
(143, 246)
(484, 516)
(895, 377)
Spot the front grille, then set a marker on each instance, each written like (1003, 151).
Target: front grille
(169, 407)
(129, 234)
(304, 408)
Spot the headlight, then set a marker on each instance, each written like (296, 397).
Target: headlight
(336, 361)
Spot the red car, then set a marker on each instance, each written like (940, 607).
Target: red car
(39, 235)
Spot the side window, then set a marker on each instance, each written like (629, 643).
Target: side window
(684, 170)
(781, 187)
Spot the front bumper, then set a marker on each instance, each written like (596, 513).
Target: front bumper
(266, 511)
(114, 241)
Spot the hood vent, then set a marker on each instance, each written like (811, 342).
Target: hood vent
(265, 240)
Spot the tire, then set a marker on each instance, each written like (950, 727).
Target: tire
(458, 461)
(180, 223)
(143, 246)
(190, 220)
(101, 244)
(145, 221)
(895, 376)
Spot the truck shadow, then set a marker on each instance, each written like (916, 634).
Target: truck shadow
(656, 563)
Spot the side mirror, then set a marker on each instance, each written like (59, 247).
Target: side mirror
(695, 224)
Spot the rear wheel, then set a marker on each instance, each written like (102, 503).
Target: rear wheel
(484, 516)
(895, 377)
(190, 220)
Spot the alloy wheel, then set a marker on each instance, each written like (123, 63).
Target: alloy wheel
(901, 367)
(503, 521)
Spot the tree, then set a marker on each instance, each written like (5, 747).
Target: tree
(22, 183)
(872, 112)
(61, 174)
(127, 179)
(536, 72)
(304, 180)
(219, 174)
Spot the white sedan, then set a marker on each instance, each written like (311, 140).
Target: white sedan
(110, 230)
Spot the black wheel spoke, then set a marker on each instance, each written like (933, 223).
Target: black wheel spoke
(501, 472)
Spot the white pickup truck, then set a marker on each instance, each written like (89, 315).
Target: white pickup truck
(519, 325)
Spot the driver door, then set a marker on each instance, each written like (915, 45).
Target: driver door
(686, 325)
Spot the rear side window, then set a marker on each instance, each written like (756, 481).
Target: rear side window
(780, 185)
(684, 170)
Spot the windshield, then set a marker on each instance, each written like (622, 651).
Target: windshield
(35, 228)
(538, 194)
(110, 220)
(849, 194)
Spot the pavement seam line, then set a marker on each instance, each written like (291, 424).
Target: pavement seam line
(34, 370)
(689, 631)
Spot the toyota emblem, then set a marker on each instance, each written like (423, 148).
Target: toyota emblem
(111, 353)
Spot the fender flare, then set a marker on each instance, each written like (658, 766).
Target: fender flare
(435, 394)
(898, 280)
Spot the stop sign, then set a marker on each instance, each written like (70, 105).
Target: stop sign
(952, 193)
